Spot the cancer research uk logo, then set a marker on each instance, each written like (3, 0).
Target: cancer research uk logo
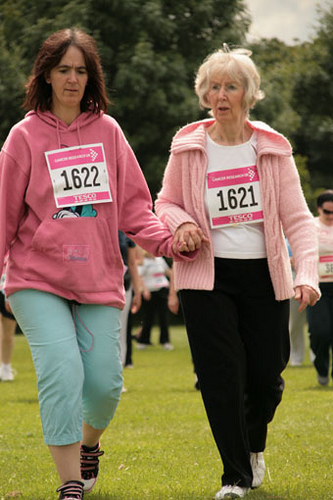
(233, 176)
(251, 173)
(79, 156)
(93, 154)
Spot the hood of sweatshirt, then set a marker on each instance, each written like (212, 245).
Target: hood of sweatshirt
(61, 128)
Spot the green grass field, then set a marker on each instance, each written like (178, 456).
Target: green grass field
(159, 445)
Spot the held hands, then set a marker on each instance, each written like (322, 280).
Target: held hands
(188, 237)
(306, 296)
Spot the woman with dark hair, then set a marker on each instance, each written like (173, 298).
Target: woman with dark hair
(77, 182)
(320, 317)
(39, 91)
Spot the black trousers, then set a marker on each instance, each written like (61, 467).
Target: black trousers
(156, 306)
(239, 339)
(320, 320)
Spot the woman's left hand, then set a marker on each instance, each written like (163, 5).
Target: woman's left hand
(306, 296)
(188, 237)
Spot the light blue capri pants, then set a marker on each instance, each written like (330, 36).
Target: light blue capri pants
(76, 353)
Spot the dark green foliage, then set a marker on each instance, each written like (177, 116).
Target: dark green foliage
(151, 49)
(313, 96)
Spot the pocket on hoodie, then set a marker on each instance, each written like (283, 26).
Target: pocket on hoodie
(75, 253)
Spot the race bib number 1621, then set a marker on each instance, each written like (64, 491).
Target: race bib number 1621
(234, 196)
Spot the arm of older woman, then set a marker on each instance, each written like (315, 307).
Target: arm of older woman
(188, 237)
(306, 296)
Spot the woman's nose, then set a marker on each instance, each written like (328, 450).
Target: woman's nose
(73, 75)
(222, 92)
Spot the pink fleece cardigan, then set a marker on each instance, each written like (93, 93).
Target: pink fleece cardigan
(181, 199)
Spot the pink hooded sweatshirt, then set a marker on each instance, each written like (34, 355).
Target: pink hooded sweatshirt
(72, 251)
(285, 210)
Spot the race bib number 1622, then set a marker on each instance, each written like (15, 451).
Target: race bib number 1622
(79, 175)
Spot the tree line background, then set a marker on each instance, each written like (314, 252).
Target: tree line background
(150, 51)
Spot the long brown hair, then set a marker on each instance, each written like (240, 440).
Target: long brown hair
(39, 92)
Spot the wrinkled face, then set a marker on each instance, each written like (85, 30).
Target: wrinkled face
(68, 80)
(326, 213)
(225, 97)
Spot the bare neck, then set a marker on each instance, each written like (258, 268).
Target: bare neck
(231, 134)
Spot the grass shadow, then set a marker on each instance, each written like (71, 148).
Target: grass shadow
(318, 388)
(26, 401)
(255, 495)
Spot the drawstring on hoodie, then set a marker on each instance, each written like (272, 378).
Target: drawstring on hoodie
(58, 134)
(78, 131)
(75, 312)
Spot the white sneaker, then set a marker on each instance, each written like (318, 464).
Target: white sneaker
(167, 346)
(7, 374)
(294, 362)
(323, 380)
(258, 468)
(232, 492)
(141, 347)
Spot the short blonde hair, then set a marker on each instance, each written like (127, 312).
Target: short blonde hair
(237, 63)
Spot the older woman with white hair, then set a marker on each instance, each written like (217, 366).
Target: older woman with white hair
(231, 189)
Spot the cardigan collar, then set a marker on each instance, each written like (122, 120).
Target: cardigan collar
(193, 136)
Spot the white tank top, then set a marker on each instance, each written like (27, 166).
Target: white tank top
(233, 200)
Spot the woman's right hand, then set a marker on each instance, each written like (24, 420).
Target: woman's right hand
(188, 237)
(306, 296)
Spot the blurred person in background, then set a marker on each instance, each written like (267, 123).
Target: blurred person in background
(7, 335)
(297, 322)
(132, 285)
(158, 297)
(320, 317)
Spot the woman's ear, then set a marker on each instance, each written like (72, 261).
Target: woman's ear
(47, 77)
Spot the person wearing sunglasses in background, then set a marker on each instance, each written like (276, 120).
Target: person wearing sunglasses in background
(320, 316)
